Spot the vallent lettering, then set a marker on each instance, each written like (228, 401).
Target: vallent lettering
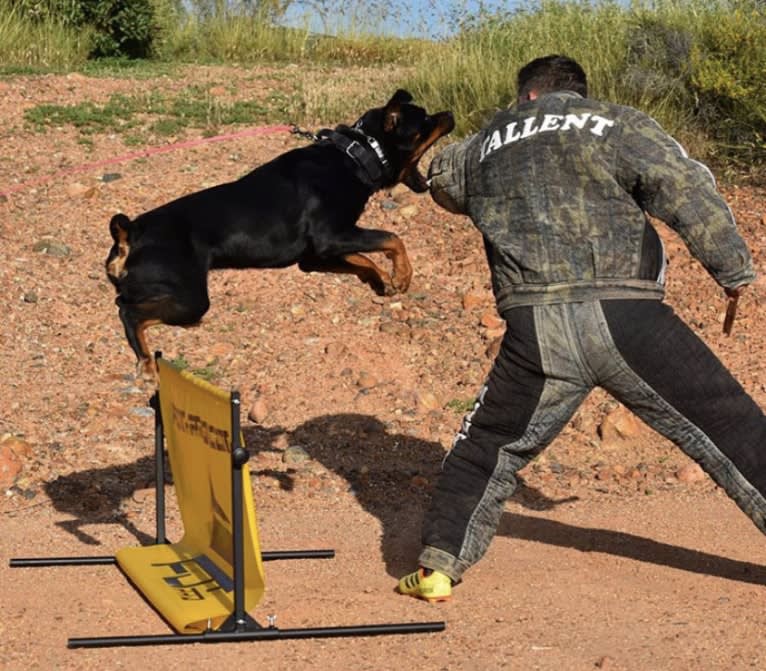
(520, 130)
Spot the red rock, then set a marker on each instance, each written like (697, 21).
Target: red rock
(491, 320)
(619, 426)
(258, 411)
(690, 473)
(12, 453)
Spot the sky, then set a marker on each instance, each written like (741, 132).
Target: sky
(406, 18)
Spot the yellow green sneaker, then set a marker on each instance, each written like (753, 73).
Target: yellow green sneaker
(432, 587)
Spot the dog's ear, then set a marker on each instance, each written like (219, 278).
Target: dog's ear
(393, 109)
(401, 96)
(118, 227)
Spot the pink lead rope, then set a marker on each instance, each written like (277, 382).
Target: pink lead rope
(261, 130)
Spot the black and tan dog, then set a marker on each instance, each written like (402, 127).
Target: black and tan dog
(301, 207)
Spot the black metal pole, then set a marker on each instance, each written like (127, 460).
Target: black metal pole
(239, 457)
(159, 463)
(269, 634)
(273, 555)
(60, 561)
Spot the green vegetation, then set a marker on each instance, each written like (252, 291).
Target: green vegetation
(461, 405)
(159, 114)
(698, 66)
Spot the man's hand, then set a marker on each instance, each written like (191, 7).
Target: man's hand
(731, 307)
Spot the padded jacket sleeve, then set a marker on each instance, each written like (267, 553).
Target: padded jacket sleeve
(447, 176)
(682, 192)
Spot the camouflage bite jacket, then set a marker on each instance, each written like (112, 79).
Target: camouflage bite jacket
(560, 188)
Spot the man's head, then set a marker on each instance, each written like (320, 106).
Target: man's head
(551, 73)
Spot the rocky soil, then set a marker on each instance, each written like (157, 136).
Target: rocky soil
(617, 552)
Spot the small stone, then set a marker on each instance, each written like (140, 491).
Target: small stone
(472, 299)
(142, 412)
(12, 452)
(110, 177)
(77, 190)
(400, 192)
(30, 297)
(491, 321)
(258, 411)
(690, 473)
(52, 248)
(409, 211)
(619, 426)
(366, 381)
(335, 349)
(428, 401)
(295, 454)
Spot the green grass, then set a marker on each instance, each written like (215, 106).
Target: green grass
(139, 115)
(461, 405)
(27, 47)
(697, 66)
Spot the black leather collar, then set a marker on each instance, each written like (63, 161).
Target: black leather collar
(374, 168)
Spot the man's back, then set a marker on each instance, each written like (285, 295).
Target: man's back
(559, 187)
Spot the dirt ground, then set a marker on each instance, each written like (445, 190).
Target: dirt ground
(615, 553)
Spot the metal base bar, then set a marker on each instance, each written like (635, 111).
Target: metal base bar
(26, 562)
(269, 634)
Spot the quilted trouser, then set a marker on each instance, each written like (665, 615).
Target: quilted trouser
(552, 356)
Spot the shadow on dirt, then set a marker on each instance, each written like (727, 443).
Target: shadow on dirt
(630, 546)
(96, 496)
(391, 476)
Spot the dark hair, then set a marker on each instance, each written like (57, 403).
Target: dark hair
(552, 73)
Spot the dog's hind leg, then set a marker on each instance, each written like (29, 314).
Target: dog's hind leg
(137, 318)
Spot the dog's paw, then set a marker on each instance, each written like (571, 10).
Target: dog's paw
(147, 373)
(400, 284)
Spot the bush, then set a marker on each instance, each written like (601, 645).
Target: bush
(120, 27)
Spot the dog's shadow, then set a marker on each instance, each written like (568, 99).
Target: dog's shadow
(391, 475)
(99, 496)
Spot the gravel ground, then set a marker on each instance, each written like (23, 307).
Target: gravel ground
(616, 553)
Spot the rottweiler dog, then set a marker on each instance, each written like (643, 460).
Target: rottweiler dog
(302, 207)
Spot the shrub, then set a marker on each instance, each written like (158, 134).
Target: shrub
(120, 27)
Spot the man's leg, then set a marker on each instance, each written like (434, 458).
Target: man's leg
(666, 375)
(535, 386)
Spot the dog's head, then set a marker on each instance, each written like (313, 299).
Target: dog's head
(404, 132)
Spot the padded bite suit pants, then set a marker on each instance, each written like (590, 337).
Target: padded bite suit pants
(552, 356)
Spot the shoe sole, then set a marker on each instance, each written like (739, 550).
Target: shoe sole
(430, 599)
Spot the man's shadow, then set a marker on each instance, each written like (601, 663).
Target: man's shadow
(390, 474)
(629, 546)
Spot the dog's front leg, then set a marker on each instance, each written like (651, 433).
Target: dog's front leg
(352, 264)
(394, 250)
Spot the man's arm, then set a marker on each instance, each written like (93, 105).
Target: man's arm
(682, 192)
(447, 176)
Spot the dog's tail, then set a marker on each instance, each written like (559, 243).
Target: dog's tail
(119, 226)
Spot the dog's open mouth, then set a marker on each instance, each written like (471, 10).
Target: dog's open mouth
(411, 176)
